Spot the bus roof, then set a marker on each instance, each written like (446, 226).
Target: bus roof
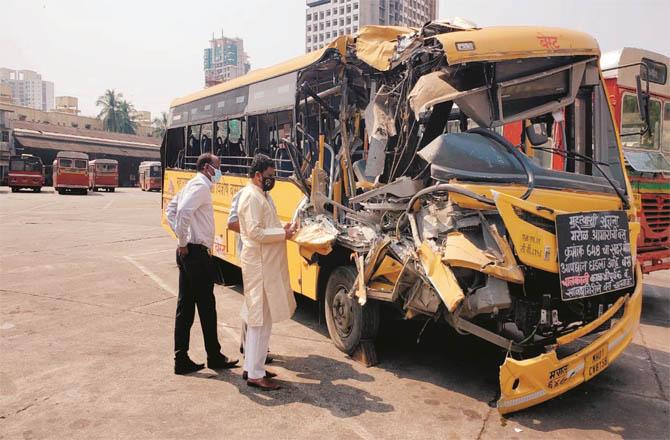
(111, 161)
(375, 45)
(150, 163)
(72, 155)
(626, 77)
(291, 65)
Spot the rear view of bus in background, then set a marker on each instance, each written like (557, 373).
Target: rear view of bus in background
(25, 171)
(70, 172)
(103, 174)
(639, 91)
(150, 176)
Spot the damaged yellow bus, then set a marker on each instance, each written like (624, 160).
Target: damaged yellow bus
(441, 219)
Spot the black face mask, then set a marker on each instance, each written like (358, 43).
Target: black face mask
(268, 183)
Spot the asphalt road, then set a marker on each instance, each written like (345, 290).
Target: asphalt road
(87, 300)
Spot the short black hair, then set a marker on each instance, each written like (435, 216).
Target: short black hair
(203, 160)
(260, 163)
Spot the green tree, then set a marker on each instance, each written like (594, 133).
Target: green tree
(116, 112)
(160, 125)
(127, 122)
(110, 113)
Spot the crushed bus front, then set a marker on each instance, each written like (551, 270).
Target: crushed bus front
(524, 383)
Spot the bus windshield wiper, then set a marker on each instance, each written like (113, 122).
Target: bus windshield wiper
(597, 164)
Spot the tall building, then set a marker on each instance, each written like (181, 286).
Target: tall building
(28, 89)
(325, 20)
(224, 59)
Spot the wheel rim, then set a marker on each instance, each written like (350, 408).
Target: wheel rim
(343, 312)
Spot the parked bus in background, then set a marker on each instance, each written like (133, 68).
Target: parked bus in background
(25, 171)
(150, 176)
(639, 90)
(103, 174)
(70, 172)
(454, 226)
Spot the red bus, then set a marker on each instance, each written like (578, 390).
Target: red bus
(103, 174)
(150, 175)
(25, 171)
(70, 172)
(637, 79)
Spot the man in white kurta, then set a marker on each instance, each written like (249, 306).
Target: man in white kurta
(268, 297)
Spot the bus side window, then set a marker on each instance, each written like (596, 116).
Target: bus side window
(230, 145)
(173, 144)
(206, 138)
(192, 146)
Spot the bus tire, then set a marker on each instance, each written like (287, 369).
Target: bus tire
(348, 322)
(14, 189)
(112, 189)
(37, 190)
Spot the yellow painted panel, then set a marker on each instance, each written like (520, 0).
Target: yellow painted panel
(563, 200)
(534, 246)
(513, 42)
(441, 277)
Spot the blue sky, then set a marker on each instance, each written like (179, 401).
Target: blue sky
(151, 50)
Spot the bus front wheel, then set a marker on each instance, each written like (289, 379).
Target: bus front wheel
(348, 322)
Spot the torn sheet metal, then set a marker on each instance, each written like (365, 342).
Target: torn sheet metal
(380, 125)
(317, 236)
(459, 251)
(441, 277)
(375, 45)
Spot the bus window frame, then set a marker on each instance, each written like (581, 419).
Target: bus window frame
(665, 128)
(623, 135)
(233, 163)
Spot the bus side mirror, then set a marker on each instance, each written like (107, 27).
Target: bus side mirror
(536, 135)
(643, 104)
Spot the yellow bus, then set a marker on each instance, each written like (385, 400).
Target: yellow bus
(439, 219)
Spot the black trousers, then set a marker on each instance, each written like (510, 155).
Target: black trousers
(196, 288)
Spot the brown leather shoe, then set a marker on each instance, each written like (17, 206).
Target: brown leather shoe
(268, 374)
(264, 384)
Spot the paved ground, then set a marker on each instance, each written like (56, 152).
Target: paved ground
(87, 299)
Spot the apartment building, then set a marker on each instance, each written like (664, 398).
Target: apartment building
(325, 20)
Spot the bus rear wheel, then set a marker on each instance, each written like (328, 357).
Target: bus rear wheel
(14, 189)
(348, 322)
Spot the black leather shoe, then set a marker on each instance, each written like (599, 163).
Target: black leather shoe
(186, 366)
(221, 362)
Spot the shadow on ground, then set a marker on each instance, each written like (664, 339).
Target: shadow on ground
(317, 388)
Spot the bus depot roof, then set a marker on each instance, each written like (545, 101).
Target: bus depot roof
(377, 45)
(53, 137)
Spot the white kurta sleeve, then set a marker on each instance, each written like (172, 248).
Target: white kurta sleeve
(251, 212)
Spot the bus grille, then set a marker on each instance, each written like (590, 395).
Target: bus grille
(656, 210)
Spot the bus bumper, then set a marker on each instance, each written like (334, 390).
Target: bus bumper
(528, 382)
(652, 261)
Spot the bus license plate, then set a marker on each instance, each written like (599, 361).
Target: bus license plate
(595, 362)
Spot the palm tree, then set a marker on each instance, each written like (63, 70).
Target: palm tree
(110, 109)
(127, 122)
(160, 125)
